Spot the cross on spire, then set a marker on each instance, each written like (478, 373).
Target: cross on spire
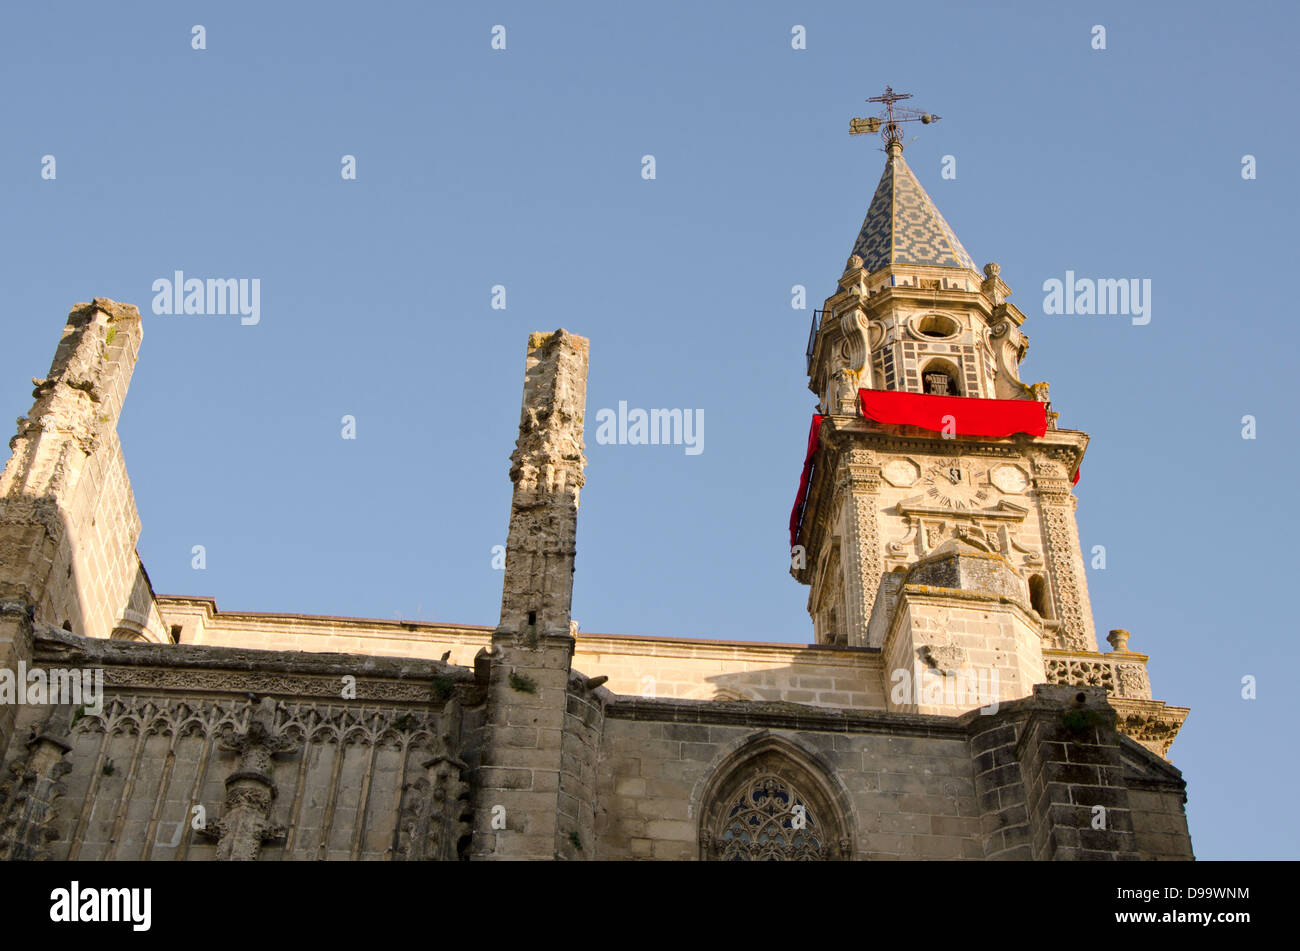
(888, 122)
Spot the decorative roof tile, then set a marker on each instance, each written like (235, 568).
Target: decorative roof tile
(904, 227)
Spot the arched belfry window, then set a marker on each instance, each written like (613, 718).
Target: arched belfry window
(939, 378)
(771, 803)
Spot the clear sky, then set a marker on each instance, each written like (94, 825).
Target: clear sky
(523, 168)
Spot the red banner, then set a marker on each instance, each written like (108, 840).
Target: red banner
(796, 514)
(959, 415)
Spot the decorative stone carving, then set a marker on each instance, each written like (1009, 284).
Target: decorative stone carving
(854, 329)
(901, 473)
(434, 821)
(1133, 681)
(1150, 722)
(246, 681)
(857, 485)
(250, 789)
(1075, 633)
(1010, 479)
(1128, 680)
(994, 530)
(28, 799)
(842, 393)
(947, 659)
(1081, 673)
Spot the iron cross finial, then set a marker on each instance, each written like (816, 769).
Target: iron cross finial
(889, 121)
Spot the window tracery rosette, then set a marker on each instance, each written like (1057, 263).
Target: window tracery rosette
(770, 821)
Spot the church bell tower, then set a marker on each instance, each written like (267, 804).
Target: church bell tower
(936, 521)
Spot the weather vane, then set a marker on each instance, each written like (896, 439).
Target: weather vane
(889, 122)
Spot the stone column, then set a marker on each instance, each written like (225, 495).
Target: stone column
(1065, 563)
(518, 789)
(857, 482)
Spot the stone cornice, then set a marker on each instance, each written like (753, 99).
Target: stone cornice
(963, 598)
(183, 668)
(641, 646)
(788, 716)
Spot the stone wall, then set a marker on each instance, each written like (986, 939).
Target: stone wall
(688, 668)
(202, 753)
(1019, 784)
(290, 763)
(906, 789)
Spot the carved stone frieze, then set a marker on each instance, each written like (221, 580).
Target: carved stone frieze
(305, 720)
(1151, 723)
(1127, 680)
(994, 530)
(1133, 681)
(246, 681)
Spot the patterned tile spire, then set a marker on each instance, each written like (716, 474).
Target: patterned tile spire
(903, 226)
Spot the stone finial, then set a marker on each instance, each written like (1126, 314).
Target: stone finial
(1118, 639)
(992, 286)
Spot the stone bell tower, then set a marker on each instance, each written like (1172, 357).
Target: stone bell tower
(949, 549)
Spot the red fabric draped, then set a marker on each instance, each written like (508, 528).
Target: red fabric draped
(796, 514)
(969, 416)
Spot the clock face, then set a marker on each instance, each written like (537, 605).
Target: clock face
(951, 483)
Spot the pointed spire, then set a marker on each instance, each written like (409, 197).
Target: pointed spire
(903, 226)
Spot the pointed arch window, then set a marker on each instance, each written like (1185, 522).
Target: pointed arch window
(772, 807)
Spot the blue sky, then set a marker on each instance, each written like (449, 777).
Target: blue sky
(522, 168)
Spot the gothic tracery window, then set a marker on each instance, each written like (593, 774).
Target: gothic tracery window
(769, 821)
(772, 800)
